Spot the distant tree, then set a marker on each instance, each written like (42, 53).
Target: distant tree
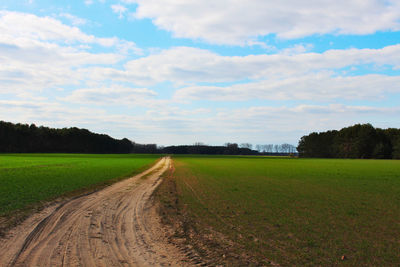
(292, 149)
(286, 148)
(259, 148)
(198, 144)
(277, 148)
(232, 145)
(20, 138)
(396, 148)
(357, 141)
(379, 151)
(227, 149)
(269, 148)
(246, 145)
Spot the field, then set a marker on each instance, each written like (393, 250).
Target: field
(294, 212)
(240, 210)
(26, 179)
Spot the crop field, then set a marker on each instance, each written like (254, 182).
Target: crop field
(26, 179)
(294, 212)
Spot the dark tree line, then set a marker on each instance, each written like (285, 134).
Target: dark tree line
(24, 138)
(358, 141)
(145, 148)
(227, 149)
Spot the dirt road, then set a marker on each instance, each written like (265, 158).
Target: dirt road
(113, 227)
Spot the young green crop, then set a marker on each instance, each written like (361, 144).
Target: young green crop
(297, 212)
(29, 178)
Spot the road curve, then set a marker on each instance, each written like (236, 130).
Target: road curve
(115, 226)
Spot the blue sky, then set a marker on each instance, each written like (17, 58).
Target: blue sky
(180, 72)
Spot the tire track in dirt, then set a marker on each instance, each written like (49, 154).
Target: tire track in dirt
(116, 226)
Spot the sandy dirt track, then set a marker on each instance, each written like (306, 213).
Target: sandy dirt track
(116, 226)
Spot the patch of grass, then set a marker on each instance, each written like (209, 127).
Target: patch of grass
(296, 212)
(26, 179)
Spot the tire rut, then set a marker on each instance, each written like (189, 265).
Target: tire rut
(116, 226)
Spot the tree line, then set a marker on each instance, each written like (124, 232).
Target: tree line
(25, 138)
(357, 141)
(200, 148)
(271, 148)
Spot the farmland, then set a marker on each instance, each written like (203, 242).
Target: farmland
(236, 210)
(26, 179)
(294, 212)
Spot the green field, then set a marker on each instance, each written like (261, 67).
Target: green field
(26, 179)
(295, 212)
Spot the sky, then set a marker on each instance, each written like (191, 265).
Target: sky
(212, 71)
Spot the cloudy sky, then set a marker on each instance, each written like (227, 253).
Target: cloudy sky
(185, 71)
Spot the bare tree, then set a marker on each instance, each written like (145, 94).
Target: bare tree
(269, 148)
(259, 148)
(285, 148)
(232, 145)
(277, 148)
(264, 148)
(292, 149)
(246, 145)
(199, 144)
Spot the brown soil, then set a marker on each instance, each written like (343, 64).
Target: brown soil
(116, 226)
(202, 243)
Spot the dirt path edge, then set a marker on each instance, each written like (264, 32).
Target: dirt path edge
(115, 226)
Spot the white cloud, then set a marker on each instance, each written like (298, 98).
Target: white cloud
(76, 21)
(30, 44)
(261, 124)
(240, 21)
(88, 2)
(186, 65)
(27, 27)
(119, 9)
(112, 95)
(40, 66)
(39, 55)
(24, 29)
(265, 124)
(321, 87)
(297, 49)
(41, 52)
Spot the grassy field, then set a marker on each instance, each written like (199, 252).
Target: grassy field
(26, 179)
(295, 212)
